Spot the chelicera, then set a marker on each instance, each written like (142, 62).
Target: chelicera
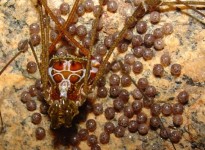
(68, 80)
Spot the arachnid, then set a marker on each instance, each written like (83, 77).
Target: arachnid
(165, 78)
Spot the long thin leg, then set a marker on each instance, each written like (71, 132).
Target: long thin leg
(140, 10)
(193, 8)
(22, 47)
(192, 16)
(43, 69)
(176, 3)
(69, 37)
(93, 37)
(40, 9)
(44, 23)
(2, 123)
(4, 68)
(183, 2)
(188, 4)
(34, 54)
(46, 52)
(68, 21)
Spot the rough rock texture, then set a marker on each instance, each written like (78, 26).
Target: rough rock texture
(186, 46)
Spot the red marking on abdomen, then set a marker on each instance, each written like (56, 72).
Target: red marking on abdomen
(58, 65)
(75, 66)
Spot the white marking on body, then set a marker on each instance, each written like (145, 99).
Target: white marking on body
(65, 84)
